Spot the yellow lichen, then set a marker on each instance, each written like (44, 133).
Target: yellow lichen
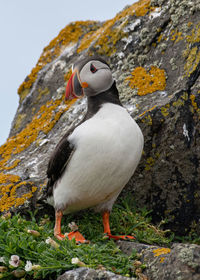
(161, 251)
(70, 34)
(192, 55)
(162, 259)
(19, 120)
(44, 121)
(147, 82)
(164, 111)
(149, 163)
(42, 92)
(105, 36)
(8, 195)
(108, 35)
(68, 75)
(176, 36)
(194, 104)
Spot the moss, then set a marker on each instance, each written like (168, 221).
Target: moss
(147, 82)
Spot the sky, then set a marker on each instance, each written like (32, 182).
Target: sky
(26, 28)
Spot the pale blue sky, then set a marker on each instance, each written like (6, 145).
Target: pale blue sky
(26, 28)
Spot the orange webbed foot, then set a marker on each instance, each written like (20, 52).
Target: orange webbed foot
(120, 237)
(77, 236)
(59, 236)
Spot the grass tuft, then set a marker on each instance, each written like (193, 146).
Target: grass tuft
(41, 257)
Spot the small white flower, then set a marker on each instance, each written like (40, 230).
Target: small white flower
(77, 262)
(14, 260)
(28, 266)
(2, 260)
(51, 242)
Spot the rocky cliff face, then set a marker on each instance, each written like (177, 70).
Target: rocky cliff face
(154, 51)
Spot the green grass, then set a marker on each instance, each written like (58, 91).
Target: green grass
(125, 219)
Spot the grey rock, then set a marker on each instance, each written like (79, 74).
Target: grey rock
(181, 261)
(90, 274)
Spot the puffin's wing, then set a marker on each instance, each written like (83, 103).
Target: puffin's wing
(58, 162)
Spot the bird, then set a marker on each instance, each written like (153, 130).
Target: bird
(95, 159)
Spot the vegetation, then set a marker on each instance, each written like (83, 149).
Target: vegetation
(28, 249)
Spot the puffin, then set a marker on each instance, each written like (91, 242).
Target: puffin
(95, 159)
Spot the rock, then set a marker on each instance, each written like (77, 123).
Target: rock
(153, 48)
(181, 261)
(90, 274)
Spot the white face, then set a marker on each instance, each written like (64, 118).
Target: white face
(97, 76)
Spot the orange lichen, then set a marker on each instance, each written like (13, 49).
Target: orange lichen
(68, 75)
(147, 82)
(161, 251)
(105, 36)
(70, 34)
(149, 110)
(8, 196)
(111, 32)
(44, 121)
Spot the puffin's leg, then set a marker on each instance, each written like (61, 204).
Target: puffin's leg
(57, 228)
(107, 231)
(74, 234)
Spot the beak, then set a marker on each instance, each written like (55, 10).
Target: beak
(74, 88)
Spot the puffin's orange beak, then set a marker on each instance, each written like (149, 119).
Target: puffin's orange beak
(74, 88)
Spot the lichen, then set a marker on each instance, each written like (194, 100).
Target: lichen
(8, 195)
(19, 120)
(192, 52)
(41, 92)
(71, 33)
(161, 251)
(165, 110)
(44, 121)
(147, 82)
(149, 163)
(176, 36)
(106, 37)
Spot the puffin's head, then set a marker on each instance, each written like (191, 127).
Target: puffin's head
(91, 76)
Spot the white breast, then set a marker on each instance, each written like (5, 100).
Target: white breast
(108, 149)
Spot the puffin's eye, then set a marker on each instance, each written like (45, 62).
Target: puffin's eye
(93, 69)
